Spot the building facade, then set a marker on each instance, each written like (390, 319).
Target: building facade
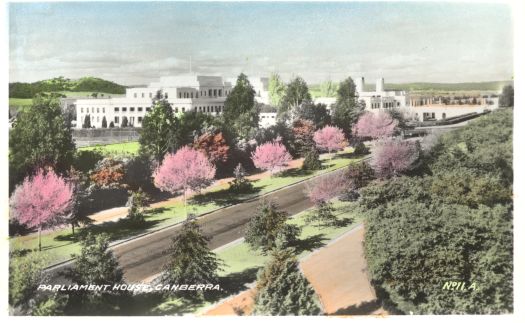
(267, 116)
(184, 93)
(422, 107)
(380, 98)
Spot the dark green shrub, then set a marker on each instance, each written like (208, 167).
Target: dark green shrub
(311, 160)
(240, 183)
(361, 149)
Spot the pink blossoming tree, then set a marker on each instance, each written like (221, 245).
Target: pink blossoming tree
(325, 188)
(42, 201)
(330, 138)
(390, 157)
(375, 125)
(186, 170)
(271, 156)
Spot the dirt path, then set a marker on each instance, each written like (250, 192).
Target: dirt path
(338, 274)
(117, 213)
(241, 303)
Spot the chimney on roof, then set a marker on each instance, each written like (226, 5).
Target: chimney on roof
(380, 85)
(360, 85)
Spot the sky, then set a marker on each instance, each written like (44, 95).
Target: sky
(134, 43)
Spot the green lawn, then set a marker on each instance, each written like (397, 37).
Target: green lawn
(131, 148)
(242, 263)
(58, 245)
(14, 102)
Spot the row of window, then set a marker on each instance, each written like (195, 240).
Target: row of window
(148, 109)
(189, 95)
(142, 95)
(386, 105)
(131, 109)
(93, 110)
(208, 108)
(131, 120)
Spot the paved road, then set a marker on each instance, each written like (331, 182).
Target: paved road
(143, 257)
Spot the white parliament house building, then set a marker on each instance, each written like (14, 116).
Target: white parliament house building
(380, 98)
(185, 93)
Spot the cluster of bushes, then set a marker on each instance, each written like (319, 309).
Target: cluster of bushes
(451, 220)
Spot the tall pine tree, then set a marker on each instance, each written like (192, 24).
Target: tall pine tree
(96, 265)
(190, 259)
(282, 290)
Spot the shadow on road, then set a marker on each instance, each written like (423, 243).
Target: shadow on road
(223, 197)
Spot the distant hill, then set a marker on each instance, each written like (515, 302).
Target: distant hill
(429, 87)
(86, 84)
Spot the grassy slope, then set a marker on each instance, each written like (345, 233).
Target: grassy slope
(60, 244)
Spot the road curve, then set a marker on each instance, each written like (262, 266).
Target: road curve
(143, 257)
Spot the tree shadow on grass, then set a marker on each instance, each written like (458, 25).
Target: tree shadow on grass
(223, 197)
(345, 156)
(340, 223)
(118, 230)
(295, 172)
(310, 243)
(155, 211)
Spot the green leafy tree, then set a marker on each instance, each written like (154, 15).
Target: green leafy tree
(97, 265)
(276, 89)
(240, 183)
(52, 306)
(296, 93)
(240, 110)
(303, 133)
(361, 149)
(507, 96)
(441, 243)
(104, 122)
(158, 135)
(136, 208)
(40, 137)
(190, 259)
(193, 124)
(317, 113)
(111, 124)
(347, 109)
(456, 224)
(25, 274)
(323, 214)
(282, 290)
(124, 122)
(268, 228)
(311, 160)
